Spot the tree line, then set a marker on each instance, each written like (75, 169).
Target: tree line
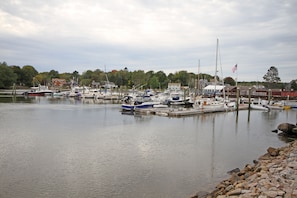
(28, 76)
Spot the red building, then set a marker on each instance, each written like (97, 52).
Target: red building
(58, 82)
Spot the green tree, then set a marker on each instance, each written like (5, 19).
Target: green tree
(53, 74)
(29, 72)
(138, 78)
(294, 85)
(75, 75)
(163, 80)
(205, 76)
(230, 81)
(272, 75)
(42, 78)
(181, 77)
(66, 76)
(18, 71)
(124, 76)
(191, 80)
(98, 75)
(154, 82)
(7, 76)
(86, 78)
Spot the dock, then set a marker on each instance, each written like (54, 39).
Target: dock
(180, 112)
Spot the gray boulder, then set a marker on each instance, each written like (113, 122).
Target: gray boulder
(287, 128)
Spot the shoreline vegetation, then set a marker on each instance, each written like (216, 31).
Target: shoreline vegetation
(274, 174)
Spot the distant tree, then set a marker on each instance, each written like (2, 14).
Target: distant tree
(294, 85)
(53, 74)
(86, 78)
(29, 72)
(66, 76)
(138, 79)
(181, 77)
(124, 78)
(230, 81)
(99, 76)
(205, 76)
(42, 78)
(18, 71)
(272, 75)
(163, 80)
(154, 82)
(75, 74)
(7, 76)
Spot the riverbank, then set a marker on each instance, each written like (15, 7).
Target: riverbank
(274, 174)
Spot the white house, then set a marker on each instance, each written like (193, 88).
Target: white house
(174, 86)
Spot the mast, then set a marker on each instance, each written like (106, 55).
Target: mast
(198, 79)
(216, 67)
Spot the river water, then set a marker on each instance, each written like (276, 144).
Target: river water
(71, 148)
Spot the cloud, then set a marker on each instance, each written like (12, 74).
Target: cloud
(150, 35)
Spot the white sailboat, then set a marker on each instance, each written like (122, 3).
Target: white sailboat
(217, 103)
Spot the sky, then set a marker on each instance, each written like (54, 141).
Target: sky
(154, 35)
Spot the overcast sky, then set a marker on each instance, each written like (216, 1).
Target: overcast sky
(158, 35)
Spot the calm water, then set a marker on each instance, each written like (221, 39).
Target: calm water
(67, 148)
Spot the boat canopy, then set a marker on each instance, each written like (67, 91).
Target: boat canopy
(213, 89)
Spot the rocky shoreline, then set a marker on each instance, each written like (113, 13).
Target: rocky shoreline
(274, 174)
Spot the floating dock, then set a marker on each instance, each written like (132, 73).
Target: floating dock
(179, 112)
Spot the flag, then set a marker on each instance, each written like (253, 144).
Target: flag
(234, 68)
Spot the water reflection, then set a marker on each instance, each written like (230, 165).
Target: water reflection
(78, 148)
(271, 115)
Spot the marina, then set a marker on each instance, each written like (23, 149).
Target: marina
(65, 147)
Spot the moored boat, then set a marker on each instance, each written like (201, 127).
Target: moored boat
(259, 107)
(39, 91)
(135, 106)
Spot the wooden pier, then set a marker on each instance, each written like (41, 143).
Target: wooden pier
(180, 112)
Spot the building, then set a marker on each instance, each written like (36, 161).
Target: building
(212, 90)
(174, 86)
(58, 82)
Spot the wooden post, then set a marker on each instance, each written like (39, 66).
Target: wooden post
(237, 102)
(249, 108)
(269, 95)
(13, 89)
(237, 98)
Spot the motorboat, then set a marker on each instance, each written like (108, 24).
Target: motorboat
(259, 107)
(41, 90)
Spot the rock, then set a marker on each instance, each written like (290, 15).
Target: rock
(271, 193)
(201, 194)
(293, 165)
(286, 127)
(274, 131)
(273, 175)
(235, 170)
(234, 192)
(273, 151)
(230, 187)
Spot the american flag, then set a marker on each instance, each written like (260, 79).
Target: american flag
(234, 68)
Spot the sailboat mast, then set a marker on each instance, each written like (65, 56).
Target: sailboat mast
(216, 67)
(198, 79)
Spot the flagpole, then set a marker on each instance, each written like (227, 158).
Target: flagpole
(236, 74)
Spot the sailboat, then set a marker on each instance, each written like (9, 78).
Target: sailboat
(216, 103)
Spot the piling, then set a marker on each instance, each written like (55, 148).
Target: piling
(269, 95)
(13, 89)
(249, 107)
(237, 99)
(249, 99)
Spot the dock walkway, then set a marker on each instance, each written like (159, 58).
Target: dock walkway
(179, 112)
